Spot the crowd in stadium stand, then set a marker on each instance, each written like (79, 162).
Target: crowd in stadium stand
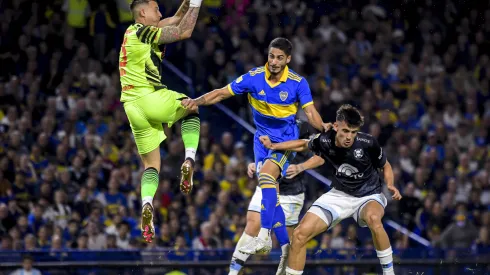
(69, 169)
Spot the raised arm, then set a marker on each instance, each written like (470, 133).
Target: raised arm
(177, 18)
(185, 28)
(239, 86)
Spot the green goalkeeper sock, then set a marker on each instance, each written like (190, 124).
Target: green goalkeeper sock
(149, 185)
(191, 126)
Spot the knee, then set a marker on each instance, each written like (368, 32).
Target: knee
(300, 237)
(373, 221)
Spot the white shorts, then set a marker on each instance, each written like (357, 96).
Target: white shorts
(343, 206)
(291, 204)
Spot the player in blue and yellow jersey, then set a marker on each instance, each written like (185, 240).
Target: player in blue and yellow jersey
(274, 92)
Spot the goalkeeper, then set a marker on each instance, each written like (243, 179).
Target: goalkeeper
(147, 101)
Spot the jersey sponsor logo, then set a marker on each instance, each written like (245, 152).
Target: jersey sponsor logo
(325, 140)
(238, 80)
(358, 153)
(363, 139)
(349, 171)
(262, 92)
(283, 95)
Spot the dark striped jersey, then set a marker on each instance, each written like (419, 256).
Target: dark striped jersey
(352, 170)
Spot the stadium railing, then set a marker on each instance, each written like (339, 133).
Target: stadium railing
(345, 261)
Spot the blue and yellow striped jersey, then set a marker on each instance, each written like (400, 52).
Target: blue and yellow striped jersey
(274, 105)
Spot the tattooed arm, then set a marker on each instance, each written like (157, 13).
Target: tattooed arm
(177, 18)
(182, 31)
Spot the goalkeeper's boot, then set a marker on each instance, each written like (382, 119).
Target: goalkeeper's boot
(147, 226)
(186, 174)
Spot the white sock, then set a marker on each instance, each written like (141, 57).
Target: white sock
(285, 249)
(386, 260)
(148, 200)
(239, 258)
(190, 153)
(290, 271)
(264, 233)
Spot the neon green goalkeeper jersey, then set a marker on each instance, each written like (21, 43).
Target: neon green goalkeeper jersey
(140, 61)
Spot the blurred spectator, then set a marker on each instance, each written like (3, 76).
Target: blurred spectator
(459, 234)
(206, 240)
(96, 240)
(123, 235)
(27, 268)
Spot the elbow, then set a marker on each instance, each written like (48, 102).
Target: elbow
(321, 161)
(182, 36)
(186, 35)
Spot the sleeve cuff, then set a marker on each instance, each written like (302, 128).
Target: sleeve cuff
(307, 104)
(230, 90)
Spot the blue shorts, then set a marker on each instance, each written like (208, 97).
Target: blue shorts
(281, 158)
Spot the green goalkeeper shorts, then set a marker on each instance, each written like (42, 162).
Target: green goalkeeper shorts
(147, 114)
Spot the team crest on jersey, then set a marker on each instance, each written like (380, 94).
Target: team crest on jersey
(283, 95)
(238, 80)
(358, 153)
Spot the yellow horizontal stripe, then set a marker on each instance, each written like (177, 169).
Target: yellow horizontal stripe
(274, 110)
(230, 90)
(266, 175)
(307, 104)
(267, 186)
(262, 181)
(266, 182)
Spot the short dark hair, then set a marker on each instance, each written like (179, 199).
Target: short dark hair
(282, 44)
(27, 257)
(135, 3)
(350, 115)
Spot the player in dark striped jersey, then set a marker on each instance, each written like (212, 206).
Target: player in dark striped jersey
(353, 160)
